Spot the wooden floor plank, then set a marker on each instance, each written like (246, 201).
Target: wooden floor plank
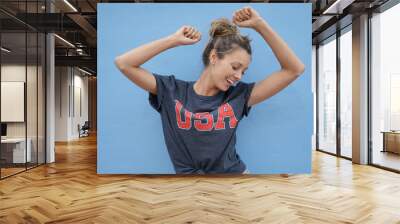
(70, 191)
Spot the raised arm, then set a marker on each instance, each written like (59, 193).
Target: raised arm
(129, 63)
(291, 66)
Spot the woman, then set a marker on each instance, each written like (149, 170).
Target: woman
(200, 117)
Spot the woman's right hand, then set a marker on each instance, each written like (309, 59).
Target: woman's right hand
(186, 35)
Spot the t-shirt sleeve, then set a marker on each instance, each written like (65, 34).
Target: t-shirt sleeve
(247, 91)
(165, 84)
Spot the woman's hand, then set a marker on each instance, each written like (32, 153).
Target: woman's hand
(186, 35)
(247, 17)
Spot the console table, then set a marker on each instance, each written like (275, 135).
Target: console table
(13, 150)
(391, 141)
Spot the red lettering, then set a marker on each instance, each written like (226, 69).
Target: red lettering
(204, 121)
(224, 111)
(188, 115)
(208, 125)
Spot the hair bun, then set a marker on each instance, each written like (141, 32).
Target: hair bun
(222, 27)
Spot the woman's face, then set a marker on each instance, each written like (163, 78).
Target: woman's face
(230, 69)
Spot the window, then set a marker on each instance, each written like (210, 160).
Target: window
(327, 95)
(385, 89)
(346, 92)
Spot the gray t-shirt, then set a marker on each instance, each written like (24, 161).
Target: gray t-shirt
(200, 131)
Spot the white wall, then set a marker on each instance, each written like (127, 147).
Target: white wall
(70, 84)
(12, 73)
(81, 89)
(33, 127)
(61, 103)
(15, 72)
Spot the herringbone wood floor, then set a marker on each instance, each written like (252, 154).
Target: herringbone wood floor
(70, 191)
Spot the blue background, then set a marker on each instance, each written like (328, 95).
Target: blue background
(275, 138)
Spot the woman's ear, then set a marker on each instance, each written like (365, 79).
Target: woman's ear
(213, 57)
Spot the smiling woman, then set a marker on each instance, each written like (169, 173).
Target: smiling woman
(226, 57)
(200, 118)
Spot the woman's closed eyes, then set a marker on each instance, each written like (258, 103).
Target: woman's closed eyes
(236, 68)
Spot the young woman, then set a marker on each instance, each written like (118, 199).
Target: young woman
(200, 118)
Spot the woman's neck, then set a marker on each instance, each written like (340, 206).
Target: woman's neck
(204, 86)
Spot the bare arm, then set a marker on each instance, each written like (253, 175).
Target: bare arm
(129, 63)
(291, 66)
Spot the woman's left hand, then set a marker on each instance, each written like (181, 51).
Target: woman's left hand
(246, 17)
